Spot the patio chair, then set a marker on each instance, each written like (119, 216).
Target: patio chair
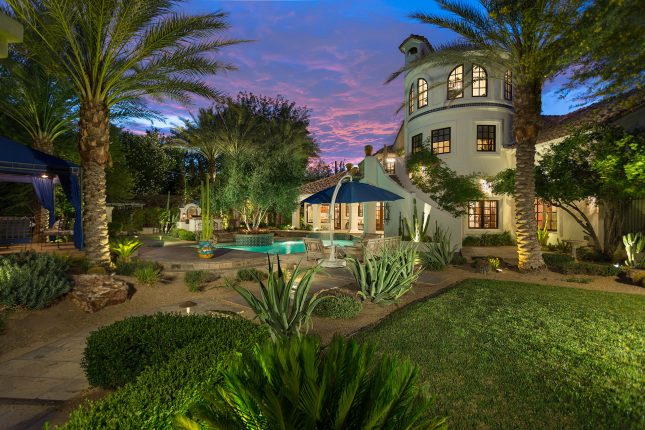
(60, 229)
(314, 248)
(15, 230)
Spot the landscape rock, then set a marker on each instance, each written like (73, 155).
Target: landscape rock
(94, 292)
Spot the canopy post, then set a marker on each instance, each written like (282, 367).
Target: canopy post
(332, 261)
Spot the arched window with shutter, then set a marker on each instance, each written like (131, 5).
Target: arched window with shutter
(422, 93)
(456, 83)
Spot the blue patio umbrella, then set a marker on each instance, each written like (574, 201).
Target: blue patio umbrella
(347, 192)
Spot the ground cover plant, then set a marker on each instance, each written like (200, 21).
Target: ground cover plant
(128, 269)
(564, 263)
(32, 280)
(195, 279)
(513, 355)
(290, 384)
(486, 239)
(168, 374)
(250, 274)
(147, 275)
(338, 306)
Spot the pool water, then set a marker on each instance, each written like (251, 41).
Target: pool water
(287, 247)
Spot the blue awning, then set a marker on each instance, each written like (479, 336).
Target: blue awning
(353, 192)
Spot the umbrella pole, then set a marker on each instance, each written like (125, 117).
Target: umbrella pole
(332, 261)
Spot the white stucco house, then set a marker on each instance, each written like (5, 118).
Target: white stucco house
(10, 32)
(463, 113)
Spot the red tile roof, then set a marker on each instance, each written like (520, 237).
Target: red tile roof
(321, 184)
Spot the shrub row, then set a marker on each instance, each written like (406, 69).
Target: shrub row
(32, 280)
(565, 264)
(496, 239)
(128, 268)
(174, 356)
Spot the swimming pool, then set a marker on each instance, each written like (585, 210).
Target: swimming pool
(287, 247)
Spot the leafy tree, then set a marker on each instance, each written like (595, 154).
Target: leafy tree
(450, 191)
(610, 49)
(118, 51)
(149, 161)
(318, 169)
(602, 165)
(119, 179)
(530, 38)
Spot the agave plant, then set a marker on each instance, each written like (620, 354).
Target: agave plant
(386, 278)
(292, 385)
(417, 231)
(438, 253)
(124, 248)
(634, 244)
(284, 306)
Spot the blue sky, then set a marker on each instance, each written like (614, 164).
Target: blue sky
(331, 56)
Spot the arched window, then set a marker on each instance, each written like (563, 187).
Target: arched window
(508, 85)
(456, 83)
(422, 93)
(411, 99)
(480, 81)
(412, 51)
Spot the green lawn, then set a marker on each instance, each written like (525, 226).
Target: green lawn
(514, 355)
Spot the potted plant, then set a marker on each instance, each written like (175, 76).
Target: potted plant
(206, 247)
(368, 150)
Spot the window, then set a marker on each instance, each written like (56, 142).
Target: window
(422, 93)
(440, 140)
(413, 50)
(324, 213)
(337, 211)
(482, 214)
(309, 213)
(417, 143)
(411, 99)
(546, 213)
(388, 165)
(486, 138)
(480, 81)
(508, 85)
(360, 210)
(380, 216)
(456, 83)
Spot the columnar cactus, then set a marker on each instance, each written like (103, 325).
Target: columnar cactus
(634, 244)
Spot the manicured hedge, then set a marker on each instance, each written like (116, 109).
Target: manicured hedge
(339, 306)
(172, 367)
(563, 263)
(486, 239)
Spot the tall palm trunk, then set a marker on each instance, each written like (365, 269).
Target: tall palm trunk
(94, 147)
(526, 125)
(43, 143)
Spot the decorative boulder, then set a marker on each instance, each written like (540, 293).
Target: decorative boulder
(94, 292)
(637, 276)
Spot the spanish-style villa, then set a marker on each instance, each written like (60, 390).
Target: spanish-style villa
(10, 32)
(463, 113)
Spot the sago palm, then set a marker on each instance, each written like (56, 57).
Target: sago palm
(529, 38)
(115, 51)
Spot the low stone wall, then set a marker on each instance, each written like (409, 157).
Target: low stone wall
(264, 239)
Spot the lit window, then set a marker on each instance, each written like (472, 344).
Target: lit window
(546, 213)
(360, 209)
(389, 166)
(440, 140)
(486, 138)
(480, 81)
(422, 93)
(417, 143)
(508, 85)
(309, 211)
(380, 216)
(482, 214)
(324, 213)
(411, 99)
(456, 83)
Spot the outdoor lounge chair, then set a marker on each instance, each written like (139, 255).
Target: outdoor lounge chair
(314, 248)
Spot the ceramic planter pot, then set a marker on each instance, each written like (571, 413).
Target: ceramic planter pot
(206, 250)
(368, 150)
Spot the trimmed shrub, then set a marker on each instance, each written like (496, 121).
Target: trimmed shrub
(32, 280)
(162, 389)
(557, 259)
(116, 354)
(338, 306)
(251, 274)
(148, 275)
(128, 269)
(182, 234)
(565, 264)
(195, 279)
(496, 239)
(458, 260)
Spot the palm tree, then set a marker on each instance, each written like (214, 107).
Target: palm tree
(115, 51)
(529, 38)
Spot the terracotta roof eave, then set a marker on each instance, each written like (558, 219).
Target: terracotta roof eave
(321, 184)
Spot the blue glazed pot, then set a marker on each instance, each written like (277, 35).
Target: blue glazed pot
(205, 249)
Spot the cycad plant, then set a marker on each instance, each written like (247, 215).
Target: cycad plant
(291, 384)
(116, 52)
(284, 305)
(384, 279)
(529, 41)
(125, 248)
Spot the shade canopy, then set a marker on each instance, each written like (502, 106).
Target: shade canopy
(353, 192)
(20, 163)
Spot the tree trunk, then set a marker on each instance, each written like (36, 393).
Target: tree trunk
(613, 225)
(94, 145)
(42, 143)
(526, 125)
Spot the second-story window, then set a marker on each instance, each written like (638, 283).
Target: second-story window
(508, 85)
(422, 93)
(440, 140)
(417, 143)
(456, 83)
(388, 165)
(411, 99)
(486, 135)
(480, 81)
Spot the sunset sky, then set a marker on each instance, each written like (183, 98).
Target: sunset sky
(331, 56)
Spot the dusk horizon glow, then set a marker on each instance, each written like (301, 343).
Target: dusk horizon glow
(330, 56)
